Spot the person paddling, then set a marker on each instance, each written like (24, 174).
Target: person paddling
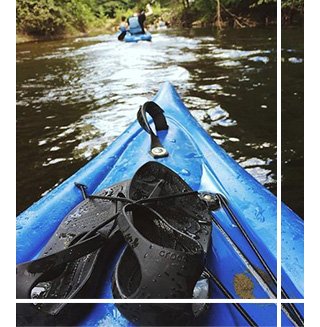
(123, 28)
(123, 25)
(136, 22)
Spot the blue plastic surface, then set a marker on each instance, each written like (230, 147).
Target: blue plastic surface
(285, 321)
(137, 37)
(217, 315)
(205, 166)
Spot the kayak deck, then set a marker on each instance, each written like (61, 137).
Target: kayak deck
(205, 167)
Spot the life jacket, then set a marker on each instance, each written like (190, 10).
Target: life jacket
(134, 25)
(122, 28)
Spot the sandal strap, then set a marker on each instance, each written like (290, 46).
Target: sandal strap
(32, 272)
(173, 195)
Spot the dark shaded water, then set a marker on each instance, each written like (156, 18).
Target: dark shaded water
(292, 118)
(75, 96)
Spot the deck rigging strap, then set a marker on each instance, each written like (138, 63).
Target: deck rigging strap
(224, 204)
(157, 150)
(289, 309)
(228, 295)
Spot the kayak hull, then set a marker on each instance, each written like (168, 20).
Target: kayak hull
(205, 166)
(137, 37)
(106, 314)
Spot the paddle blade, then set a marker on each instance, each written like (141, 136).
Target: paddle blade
(122, 35)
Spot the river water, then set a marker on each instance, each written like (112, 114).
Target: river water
(75, 96)
(293, 118)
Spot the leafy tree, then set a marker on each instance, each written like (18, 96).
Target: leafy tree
(40, 17)
(293, 4)
(54, 17)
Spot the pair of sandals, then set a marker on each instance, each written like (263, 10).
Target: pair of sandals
(166, 227)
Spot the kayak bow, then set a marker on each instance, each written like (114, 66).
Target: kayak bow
(205, 166)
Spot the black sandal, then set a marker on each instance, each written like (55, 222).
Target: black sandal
(168, 232)
(67, 266)
(70, 262)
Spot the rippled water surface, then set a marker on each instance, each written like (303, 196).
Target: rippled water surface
(74, 97)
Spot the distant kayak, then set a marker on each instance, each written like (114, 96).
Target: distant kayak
(242, 255)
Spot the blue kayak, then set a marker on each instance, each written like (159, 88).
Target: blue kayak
(137, 37)
(205, 166)
(218, 314)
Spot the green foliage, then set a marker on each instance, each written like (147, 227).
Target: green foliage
(54, 17)
(204, 5)
(261, 2)
(293, 4)
(110, 8)
(40, 17)
(120, 12)
(78, 14)
(205, 10)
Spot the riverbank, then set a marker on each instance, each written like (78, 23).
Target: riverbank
(111, 26)
(25, 38)
(108, 27)
(54, 20)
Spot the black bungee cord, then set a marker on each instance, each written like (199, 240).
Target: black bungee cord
(223, 204)
(298, 320)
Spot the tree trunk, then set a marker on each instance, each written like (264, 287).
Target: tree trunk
(218, 15)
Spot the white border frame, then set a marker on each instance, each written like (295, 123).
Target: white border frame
(311, 198)
(279, 162)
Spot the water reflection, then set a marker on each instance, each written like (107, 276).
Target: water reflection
(74, 97)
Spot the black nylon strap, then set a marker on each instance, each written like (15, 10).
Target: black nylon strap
(156, 150)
